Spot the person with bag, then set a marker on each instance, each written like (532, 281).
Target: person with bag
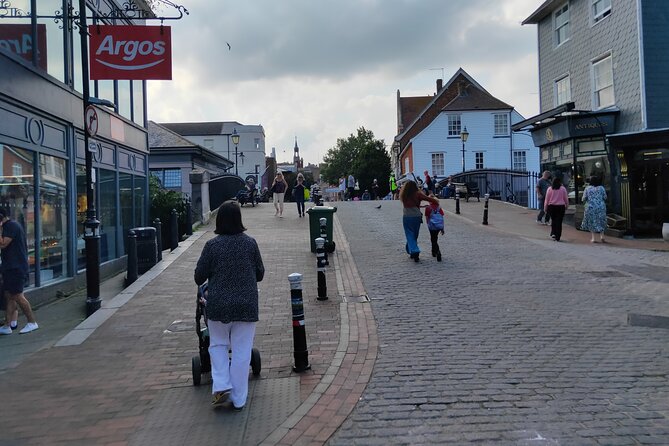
(278, 189)
(411, 198)
(555, 204)
(232, 265)
(594, 216)
(434, 215)
(299, 192)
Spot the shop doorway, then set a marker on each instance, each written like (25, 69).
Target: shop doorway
(649, 191)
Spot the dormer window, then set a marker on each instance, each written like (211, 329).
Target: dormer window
(600, 9)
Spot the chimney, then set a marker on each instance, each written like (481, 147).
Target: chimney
(440, 84)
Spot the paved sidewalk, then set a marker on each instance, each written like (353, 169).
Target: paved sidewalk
(124, 377)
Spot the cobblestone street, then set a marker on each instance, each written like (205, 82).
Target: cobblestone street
(509, 340)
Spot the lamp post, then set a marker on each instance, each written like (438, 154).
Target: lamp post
(464, 134)
(235, 141)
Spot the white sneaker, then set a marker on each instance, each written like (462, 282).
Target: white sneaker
(30, 326)
(5, 330)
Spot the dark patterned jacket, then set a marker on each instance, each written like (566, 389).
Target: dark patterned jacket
(233, 266)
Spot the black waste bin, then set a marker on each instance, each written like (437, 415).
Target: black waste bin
(315, 214)
(147, 248)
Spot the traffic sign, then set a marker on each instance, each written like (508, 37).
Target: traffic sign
(91, 120)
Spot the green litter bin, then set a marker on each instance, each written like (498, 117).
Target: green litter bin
(315, 214)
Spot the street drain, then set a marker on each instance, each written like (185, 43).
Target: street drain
(647, 320)
(606, 273)
(356, 299)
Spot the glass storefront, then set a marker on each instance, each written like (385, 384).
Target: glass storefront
(107, 214)
(125, 190)
(53, 218)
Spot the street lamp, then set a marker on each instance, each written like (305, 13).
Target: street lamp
(235, 141)
(463, 136)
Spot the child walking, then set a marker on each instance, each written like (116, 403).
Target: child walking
(434, 215)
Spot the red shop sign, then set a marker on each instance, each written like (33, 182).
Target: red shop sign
(18, 39)
(130, 52)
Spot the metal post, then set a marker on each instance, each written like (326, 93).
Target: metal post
(189, 217)
(320, 267)
(323, 222)
(236, 172)
(132, 258)
(91, 225)
(485, 209)
(159, 237)
(457, 201)
(301, 354)
(463, 157)
(174, 230)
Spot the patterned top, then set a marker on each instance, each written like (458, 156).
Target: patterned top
(594, 217)
(232, 264)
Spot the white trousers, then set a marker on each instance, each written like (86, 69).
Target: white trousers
(278, 202)
(231, 374)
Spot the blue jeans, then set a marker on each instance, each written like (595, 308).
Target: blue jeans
(411, 229)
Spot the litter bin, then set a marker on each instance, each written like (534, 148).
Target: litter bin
(315, 214)
(147, 248)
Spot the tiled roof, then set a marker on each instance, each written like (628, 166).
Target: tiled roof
(161, 136)
(195, 128)
(474, 99)
(410, 108)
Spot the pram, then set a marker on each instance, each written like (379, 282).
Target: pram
(202, 363)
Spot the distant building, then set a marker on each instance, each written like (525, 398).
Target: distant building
(430, 129)
(604, 89)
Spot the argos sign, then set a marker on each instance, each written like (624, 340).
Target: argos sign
(130, 52)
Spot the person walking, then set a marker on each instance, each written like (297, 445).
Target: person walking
(278, 189)
(342, 189)
(375, 190)
(412, 218)
(594, 216)
(350, 186)
(542, 186)
(15, 271)
(434, 215)
(298, 194)
(393, 186)
(556, 203)
(232, 265)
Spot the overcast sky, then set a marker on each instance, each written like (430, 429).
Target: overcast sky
(319, 69)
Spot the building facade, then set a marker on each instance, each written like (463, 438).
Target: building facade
(429, 138)
(603, 74)
(43, 154)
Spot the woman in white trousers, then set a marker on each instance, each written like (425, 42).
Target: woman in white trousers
(278, 188)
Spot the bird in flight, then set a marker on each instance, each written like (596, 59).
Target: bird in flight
(229, 47)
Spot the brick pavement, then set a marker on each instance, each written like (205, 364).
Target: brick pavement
(130, 382)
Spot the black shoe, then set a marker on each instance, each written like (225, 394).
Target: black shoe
(415, 258)
(439, 257)
(434, 254)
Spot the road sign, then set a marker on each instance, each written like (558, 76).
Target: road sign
(93, 146)
(91, 121)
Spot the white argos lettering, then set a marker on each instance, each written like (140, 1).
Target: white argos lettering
(130, 48)
(22, 47)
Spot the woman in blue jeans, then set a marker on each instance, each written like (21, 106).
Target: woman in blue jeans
(411, 198)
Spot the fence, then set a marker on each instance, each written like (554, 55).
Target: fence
(518, 187)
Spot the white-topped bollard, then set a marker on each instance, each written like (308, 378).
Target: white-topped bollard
(320, 267)
(323, 223)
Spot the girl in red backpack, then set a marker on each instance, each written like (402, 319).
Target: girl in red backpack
(434, 215)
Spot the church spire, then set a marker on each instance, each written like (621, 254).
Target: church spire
(297, 161)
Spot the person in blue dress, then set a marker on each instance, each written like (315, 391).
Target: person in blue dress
(594, 217)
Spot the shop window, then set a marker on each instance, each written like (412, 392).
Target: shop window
(82, 205)
(124, 103)
(438, 164)
(138, 102)
(139, 196)
(53, 218)
(127, 214)
(107, 214)
(17, 194)
(105, 90)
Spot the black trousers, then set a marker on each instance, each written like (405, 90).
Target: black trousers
(434, 236)
(300, 207)
(557, 215)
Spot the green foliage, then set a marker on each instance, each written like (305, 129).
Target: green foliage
(361, 155)
(162, 202)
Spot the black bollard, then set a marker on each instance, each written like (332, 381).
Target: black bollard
(159, 237)
(457, 201)
(189, 217)
(485, 209)
(323, 222)
(174, 230)
(320, 267)
(131, 276)
(300, 354)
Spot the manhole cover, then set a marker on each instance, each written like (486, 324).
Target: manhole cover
(606, 273)
(180, 326)
(356, 299)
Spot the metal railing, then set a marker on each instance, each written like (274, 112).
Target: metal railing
(517, 187)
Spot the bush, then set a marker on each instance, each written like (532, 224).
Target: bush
(162, 203)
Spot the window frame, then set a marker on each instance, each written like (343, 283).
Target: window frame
(519, 154)
(506, 124)
(478, 163)
(596, 100)
(561, 10)
(597, 18)
(556, 90)
(452, 125)
(437, 169)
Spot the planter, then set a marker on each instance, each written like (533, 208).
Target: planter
(665, 232)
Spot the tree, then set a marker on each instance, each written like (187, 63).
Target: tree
(361, 155)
